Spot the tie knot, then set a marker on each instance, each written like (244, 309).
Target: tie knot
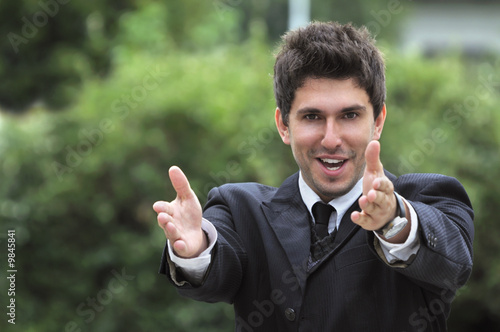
(322, 212)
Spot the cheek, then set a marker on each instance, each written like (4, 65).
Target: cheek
(359, 140)
(367, 133)
(303, 143)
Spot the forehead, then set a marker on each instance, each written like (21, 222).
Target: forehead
(329, 95)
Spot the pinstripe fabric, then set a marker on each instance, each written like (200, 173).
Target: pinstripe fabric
(260, 262)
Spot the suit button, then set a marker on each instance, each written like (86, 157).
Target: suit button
(290, 314)
(432, 240)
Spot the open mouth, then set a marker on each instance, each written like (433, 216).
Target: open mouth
(332, 164)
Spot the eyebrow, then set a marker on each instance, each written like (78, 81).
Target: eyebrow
(356, 107)
(313, 110)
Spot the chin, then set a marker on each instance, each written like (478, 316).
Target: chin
(332, 193)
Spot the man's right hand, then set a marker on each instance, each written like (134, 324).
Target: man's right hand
(181, 218)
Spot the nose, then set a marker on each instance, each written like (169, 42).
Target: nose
(332, 135)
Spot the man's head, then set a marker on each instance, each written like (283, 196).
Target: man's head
(329, 85)
(328, 50)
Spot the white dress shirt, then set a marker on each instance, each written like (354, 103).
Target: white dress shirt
(194, 268)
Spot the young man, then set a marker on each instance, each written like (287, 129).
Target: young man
(389, 255)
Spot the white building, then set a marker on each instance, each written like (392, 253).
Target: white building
(469, 26)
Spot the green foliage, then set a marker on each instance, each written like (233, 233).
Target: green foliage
(51, 46)
(77, 186)
(442, 118)
(48, 45)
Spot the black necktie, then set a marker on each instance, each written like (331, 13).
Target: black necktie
(321, 213)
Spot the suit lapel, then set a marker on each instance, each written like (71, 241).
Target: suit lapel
(287, 215)
(347, 227)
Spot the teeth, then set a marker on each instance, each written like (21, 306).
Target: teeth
(331, 161)
(336, 163)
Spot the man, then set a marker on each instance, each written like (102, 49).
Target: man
(390, 254)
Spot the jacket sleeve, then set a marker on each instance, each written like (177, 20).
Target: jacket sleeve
(444, 260)
(223, 277)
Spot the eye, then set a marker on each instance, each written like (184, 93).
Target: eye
(311, 117)
(350, 115)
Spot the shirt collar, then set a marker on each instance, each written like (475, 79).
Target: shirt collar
(341, 204)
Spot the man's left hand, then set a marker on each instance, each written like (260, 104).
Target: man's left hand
(378, 203)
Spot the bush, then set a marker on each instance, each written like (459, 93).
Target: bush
(78, 185)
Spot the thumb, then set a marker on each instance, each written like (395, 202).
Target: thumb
(372, 157)
(179, 182)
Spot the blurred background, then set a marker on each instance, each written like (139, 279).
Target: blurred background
(98, 99)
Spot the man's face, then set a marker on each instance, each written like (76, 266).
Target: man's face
(330, 124)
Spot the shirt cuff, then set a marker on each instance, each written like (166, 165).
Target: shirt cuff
(402, 252)
(194, 269)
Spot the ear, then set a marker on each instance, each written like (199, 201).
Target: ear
(282, 128)
(379, 124)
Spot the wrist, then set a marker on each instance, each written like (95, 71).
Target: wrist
(203, 245)
(398, 224)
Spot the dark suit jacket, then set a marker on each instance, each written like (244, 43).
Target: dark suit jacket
(259, 262)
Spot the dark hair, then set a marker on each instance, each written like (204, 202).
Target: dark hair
(328, 50)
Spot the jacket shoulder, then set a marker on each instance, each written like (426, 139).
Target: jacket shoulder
(244, 190)
(420, 180)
